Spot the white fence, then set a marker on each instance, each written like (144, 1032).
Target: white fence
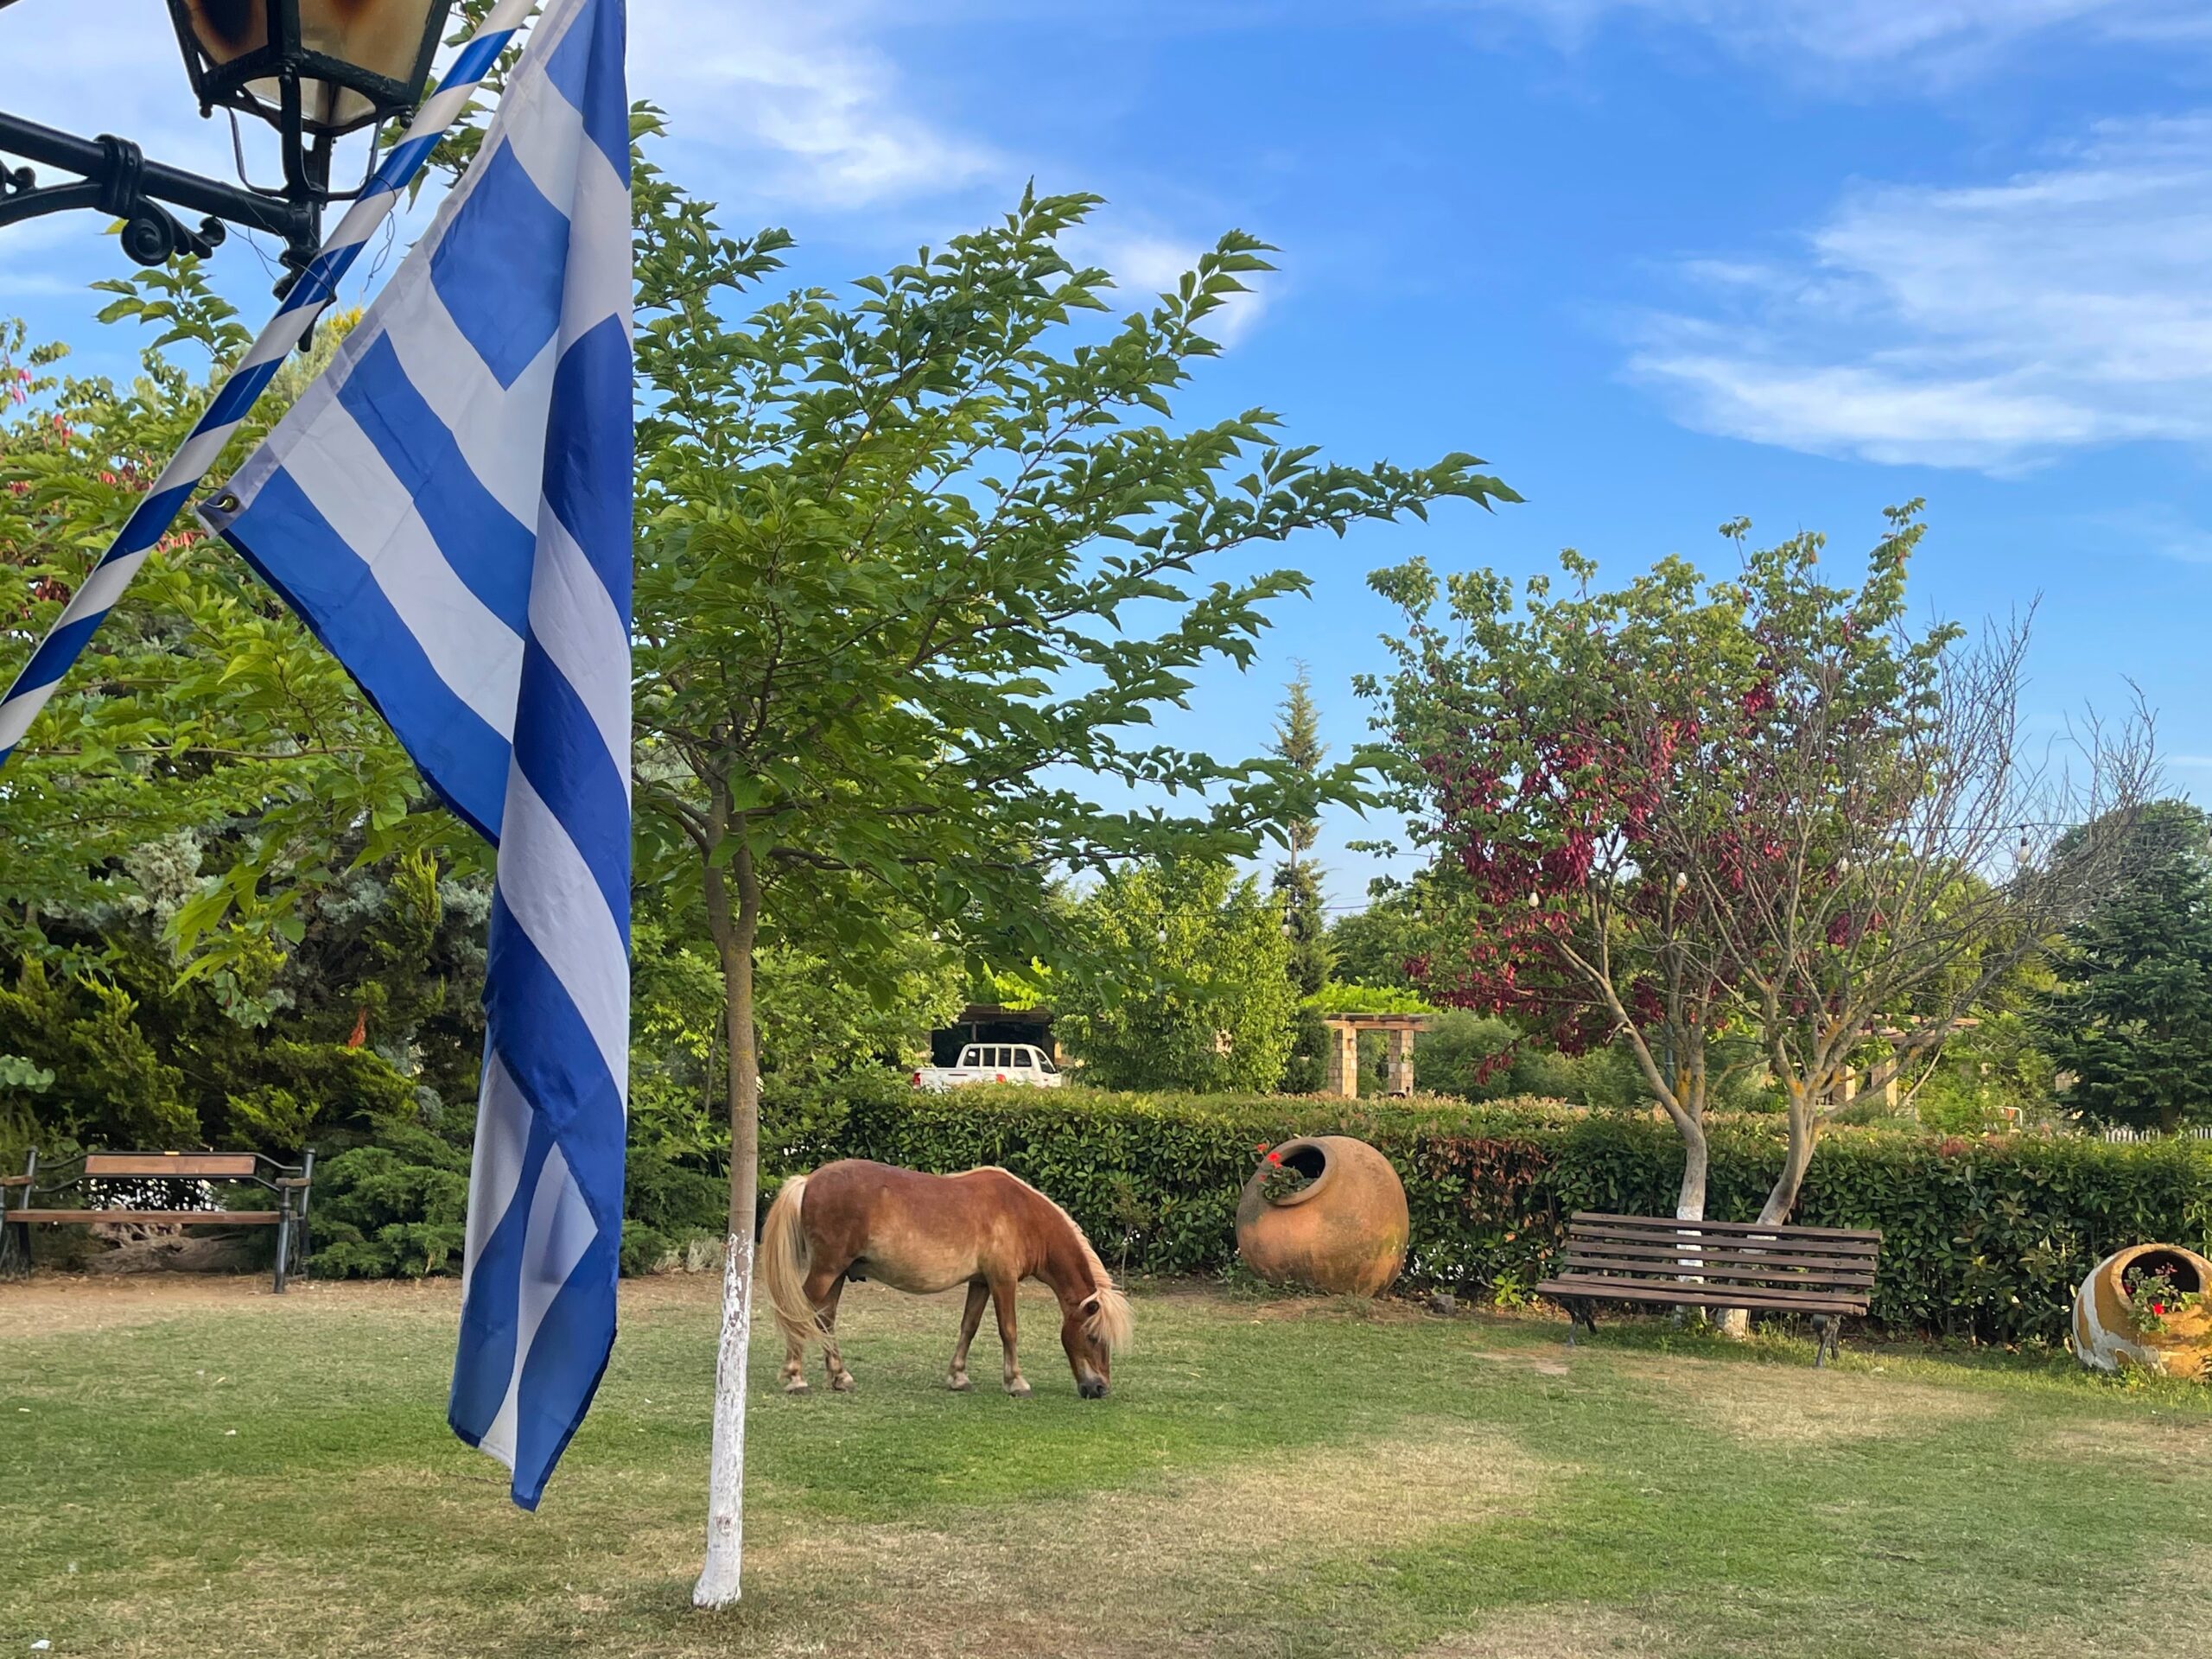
(2126, 1137)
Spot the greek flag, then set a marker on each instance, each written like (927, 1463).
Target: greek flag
(448, 508)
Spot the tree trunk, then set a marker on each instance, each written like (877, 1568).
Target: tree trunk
(1689, 1200)
(734, 935)
(1804, 1131)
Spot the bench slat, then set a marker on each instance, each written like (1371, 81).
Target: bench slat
(1772, 1241)
(172, 1165)
(1631, 1291)
(186, 1217)
(1670, 1223)
(1711, 1250)
(1676, 1273)
(1681, 1292)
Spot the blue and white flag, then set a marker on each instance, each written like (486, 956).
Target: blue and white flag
(448, 508)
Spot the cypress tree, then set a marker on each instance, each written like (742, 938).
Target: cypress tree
(2132, 1015)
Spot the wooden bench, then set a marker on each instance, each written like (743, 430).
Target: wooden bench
(1825, 1271)
(26, 1200)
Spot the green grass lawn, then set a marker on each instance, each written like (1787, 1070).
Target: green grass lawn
(195, 1466)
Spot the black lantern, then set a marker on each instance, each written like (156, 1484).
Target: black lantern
(313, 69)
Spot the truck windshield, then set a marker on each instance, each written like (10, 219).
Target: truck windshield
(1044, 1064)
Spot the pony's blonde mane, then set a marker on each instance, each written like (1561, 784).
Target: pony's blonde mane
(1110, 1322)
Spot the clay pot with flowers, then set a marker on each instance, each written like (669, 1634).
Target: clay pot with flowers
(2149, 1307)
(1326, 1211)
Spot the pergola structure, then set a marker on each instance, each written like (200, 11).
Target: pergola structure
(1343, 1049)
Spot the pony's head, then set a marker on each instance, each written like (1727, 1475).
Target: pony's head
(1093, 1329)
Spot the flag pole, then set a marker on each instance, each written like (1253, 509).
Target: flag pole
(317, 285)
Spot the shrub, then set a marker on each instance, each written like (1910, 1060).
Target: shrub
(1450, 1057)
(1340, 997)
(1306, 1071)
(672, 1199)
(1986, 1238)
(398, 1208)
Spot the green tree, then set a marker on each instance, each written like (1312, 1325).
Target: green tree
(1199, 998)
(203, 709)
(1298, 886)
(2131, 1016)
(1405, 924)
(1298, 745)
(1297, 880)
(892, 557)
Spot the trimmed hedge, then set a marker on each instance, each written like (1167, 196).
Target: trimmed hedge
(1985, 1238)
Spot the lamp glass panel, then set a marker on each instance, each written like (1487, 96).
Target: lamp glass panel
(383, 37)
(229, 29)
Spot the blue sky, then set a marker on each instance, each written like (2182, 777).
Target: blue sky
(1660, 261)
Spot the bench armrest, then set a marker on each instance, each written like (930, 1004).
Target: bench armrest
(14, 1181)
(293, 1180)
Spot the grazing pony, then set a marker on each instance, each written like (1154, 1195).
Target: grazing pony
(986, 1230)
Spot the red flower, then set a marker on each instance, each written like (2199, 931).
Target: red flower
(1263, 1147)
(1275, 1157)
(2158, 1308)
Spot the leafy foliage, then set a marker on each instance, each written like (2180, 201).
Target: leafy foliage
(1457, 1055)
(1201, 998)
(203, 713)
(1338, 997)
(1397, 931)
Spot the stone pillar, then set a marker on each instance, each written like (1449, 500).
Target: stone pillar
(1343, 1061)
(1401, 1060)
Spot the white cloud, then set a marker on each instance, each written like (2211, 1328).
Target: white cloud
(799, 100)
(2158, 528)
(1145, 265)
(1936, 39)
(1989, 326)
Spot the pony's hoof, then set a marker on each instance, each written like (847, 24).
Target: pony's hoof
(797, 1385)
(958, 1384)
(843, 1382)
(1018, 1390)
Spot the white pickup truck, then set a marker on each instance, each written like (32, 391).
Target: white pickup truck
(993, 1062)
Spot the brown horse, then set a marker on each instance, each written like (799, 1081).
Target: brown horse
(986, 1230)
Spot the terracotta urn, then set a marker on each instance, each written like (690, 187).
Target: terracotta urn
(2107, 1334)
(1343, 1231)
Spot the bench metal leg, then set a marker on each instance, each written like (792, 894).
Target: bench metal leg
(16, 1250)
(283, 1243)
(1579, 1313)
(307, 1197)
(1828, 1332)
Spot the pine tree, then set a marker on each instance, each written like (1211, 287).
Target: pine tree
(1298, 878)
(2132, 1017)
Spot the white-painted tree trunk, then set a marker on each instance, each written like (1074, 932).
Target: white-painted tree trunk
(718, 1584)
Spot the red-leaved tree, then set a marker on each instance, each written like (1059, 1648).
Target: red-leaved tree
(1759, 817)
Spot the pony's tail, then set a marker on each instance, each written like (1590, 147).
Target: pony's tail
(785, 1258)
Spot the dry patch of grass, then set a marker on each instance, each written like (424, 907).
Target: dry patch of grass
(2156, 1441)
(1785, 1405)
(1540, 1363)
(1125, 1571)
(49, 1304)
(1562, 1631)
